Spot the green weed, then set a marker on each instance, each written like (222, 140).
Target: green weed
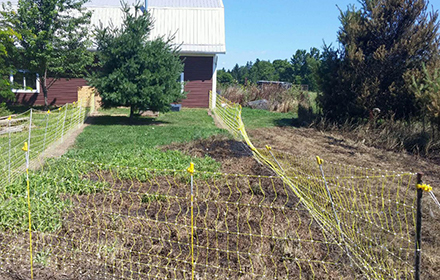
(147, 198)
(43, 257)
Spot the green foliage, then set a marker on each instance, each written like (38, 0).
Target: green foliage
(283, 69)
(135, 71)
(147, 198)
(54, 38)
(112, 140)
(4, 111)
(7, 53)
(427, 91)
(302, 69)
(43, 257)
(262, 70)
(305, 67)
(47, 203)
(224, 78)
(382, 44)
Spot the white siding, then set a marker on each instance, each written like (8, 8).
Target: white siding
(186, 3)
(106, 16)
(197, 30)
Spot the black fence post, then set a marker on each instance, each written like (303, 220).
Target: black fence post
(418, 253)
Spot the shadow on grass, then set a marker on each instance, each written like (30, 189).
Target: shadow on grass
(284, 122)
(122, 120)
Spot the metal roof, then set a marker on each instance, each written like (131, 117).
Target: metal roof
(185, 3)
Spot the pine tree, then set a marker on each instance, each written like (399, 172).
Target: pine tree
(134, 71)
(383, 44)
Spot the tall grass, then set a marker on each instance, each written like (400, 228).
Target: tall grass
(390, 134)
(280, 99)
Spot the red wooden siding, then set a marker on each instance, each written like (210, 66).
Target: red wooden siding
(61, 92)
(197, 75)
(198, 78)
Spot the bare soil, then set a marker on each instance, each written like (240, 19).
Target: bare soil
(333, 147)
(123, 234)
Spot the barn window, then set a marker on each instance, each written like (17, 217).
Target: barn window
(25, 82)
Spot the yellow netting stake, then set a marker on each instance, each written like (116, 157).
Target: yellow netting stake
(26, 150)
(191, 171)
(424, 187)
(319, 160)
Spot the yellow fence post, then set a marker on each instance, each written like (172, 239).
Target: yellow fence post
(191, 171)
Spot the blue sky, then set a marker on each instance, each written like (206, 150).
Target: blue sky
(275, 29)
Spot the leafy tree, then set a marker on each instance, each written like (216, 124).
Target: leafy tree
(262, 70)
(7, 52)
(134, 71)
(383, 44)
(224, 77)
(283, 70)
(54, 38)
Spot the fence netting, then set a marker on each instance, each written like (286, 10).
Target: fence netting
(371, 213)
(96, 221)
(40, 129)
(313, 219)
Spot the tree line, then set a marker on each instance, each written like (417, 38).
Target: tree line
(387, 60)
(300, 69)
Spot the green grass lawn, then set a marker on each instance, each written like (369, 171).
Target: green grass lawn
(254, 118)
(112, 140)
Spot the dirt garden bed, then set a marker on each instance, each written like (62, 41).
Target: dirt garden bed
(140, 229)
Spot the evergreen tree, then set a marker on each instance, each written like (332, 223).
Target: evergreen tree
(134, 71)
(384, 43)
(305, 66)
(235, 72)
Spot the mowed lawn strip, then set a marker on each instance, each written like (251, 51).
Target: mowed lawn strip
(113, 140)
(255, 118)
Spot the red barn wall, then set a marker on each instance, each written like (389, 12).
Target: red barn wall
(197, 75)
(61, 92)
(198, 78)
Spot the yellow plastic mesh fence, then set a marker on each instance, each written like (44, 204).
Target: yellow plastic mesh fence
(40, 129)
(370, 212)
(93, 221)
